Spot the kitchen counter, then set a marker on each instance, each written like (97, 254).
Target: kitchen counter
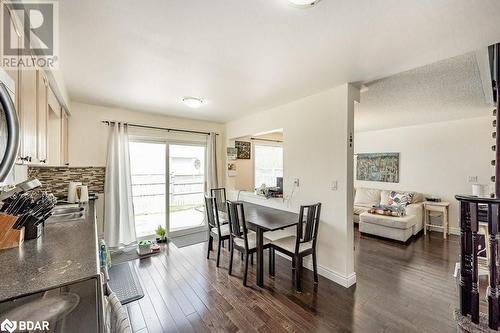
(67, 252)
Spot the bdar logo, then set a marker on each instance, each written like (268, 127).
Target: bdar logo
(8, 325)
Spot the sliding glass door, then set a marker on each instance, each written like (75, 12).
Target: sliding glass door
(175, 168)
(148, 169)
(187, 187)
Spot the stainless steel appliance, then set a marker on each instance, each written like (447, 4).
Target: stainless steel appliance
(69, 308)
(9, 126)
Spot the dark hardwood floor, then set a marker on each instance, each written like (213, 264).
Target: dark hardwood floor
(399, 289)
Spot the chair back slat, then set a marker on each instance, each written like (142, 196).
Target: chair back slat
(237, 222)
(219, 194)
(212, 213)
(307, 228)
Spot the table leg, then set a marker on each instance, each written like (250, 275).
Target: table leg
(445, 222)
(260, 257)
(425, 221)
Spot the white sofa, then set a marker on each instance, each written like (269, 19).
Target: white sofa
(397, 228)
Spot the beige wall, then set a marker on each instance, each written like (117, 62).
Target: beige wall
(435, 159)
(316, 150)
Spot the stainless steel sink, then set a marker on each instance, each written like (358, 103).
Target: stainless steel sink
(66, 213)
(66, 210)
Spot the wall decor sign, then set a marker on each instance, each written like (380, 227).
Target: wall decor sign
(232, 153)
(244, 150)
(379, 167)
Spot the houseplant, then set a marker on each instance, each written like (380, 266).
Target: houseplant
(161, 233)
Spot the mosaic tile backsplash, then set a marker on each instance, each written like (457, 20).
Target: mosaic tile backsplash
(56, 179)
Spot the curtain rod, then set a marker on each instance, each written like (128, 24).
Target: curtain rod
(108, 122)
(268, 140)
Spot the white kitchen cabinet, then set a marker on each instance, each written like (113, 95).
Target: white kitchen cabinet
(28, 109)
(42, 116)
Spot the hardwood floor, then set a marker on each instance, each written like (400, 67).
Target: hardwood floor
(399, 289)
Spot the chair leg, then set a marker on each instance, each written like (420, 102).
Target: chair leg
(315, 267)
(298, 271)
(246, 270)
(231, 258)
(271, 262)
(293, 263)
(223, 242)
(218, 252)
(241, 256)
(210, 240)
(251, 259)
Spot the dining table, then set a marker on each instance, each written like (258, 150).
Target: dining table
(263, 219)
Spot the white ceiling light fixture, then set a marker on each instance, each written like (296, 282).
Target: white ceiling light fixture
(303, 3)
(193, 102)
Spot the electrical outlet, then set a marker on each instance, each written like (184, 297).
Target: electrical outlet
(335, 185)
(472, 179)
(296, 182)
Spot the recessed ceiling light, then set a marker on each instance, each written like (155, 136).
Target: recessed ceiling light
(304, 3)
(192, 102)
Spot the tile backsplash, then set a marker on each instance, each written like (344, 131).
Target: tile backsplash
(56, 179)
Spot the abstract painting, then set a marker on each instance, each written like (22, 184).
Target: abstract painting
(244, 150)
(380, 167)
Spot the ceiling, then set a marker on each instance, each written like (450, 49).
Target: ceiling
(446, 90)
(243, 56)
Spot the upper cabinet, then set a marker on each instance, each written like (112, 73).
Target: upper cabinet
(64, 138)
(28, 111)
(43, 121)
(42, 116)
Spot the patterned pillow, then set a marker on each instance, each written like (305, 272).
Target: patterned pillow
(400, 198)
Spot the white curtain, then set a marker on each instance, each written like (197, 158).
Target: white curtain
(119, 223)
(211, 172)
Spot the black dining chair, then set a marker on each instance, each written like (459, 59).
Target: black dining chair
(219, 194)
(301, 245)
(242, 239)
(217, 231)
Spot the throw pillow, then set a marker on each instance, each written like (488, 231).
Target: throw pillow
(400, 198)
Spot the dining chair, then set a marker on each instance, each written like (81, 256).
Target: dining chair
(219, 194)
(301, 245)
(217, 231)
(242, 239)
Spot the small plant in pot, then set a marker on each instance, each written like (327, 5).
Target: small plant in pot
(162, 234)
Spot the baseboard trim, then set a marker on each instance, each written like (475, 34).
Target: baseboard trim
(344, 281)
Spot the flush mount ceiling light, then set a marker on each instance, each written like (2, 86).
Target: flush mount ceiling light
(304, 3)
(192, 102)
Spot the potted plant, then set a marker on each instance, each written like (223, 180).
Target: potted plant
(162, 234)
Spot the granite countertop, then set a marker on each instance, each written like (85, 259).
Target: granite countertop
(66, 252)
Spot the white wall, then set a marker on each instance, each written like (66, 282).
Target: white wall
(316, 150)
(435, 159)
(88, 136)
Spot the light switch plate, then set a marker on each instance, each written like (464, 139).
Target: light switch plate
(296, 182)
(472, 179)
(335, 185)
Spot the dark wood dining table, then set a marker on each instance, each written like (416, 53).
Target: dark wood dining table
(261, 219)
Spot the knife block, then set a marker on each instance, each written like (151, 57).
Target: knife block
(10, 237)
